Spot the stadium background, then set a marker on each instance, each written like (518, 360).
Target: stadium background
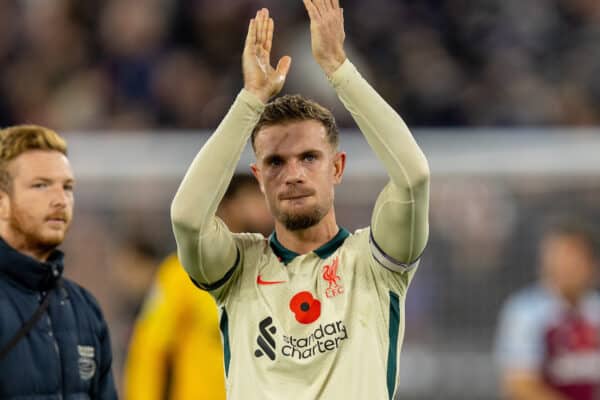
(497, 92)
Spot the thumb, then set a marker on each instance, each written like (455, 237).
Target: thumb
(283, 66)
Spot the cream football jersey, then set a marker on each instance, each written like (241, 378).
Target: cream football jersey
(323, 325)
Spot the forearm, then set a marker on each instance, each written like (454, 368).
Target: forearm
(197, 199)
(383, 128)
(400, 222)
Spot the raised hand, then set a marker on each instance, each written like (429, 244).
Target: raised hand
(327, 33)
(260, 78)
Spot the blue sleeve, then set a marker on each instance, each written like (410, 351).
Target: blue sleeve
(519, 338)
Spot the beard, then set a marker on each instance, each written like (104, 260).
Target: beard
(32, 234)
(300, 221)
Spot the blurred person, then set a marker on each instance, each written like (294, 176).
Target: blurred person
(179, 325)
(183, 85)
(134, 34)
(314, 311)
(54, 342)
(548, 339)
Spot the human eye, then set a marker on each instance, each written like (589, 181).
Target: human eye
(68, 187)
(39, 185)
(274, 162)
(310, 157)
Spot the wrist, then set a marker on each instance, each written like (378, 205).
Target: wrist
(261, 95)
(331, 65)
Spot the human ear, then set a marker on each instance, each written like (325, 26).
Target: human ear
(258, 176)
(339, 164)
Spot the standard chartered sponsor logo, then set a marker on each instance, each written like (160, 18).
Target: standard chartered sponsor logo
(575, 368)
(265, 339)
(326, 337)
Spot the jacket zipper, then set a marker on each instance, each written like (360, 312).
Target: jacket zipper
(57, 349)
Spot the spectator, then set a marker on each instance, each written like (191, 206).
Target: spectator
(54, 342)
(175, 352)
(548, 342)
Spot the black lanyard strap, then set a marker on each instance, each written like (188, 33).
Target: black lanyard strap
(27, 326)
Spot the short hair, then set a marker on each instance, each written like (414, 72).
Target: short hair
(574, 227)
(295, 108)
(16, 140)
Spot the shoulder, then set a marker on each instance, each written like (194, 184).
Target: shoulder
(591, 306)
(250, 246)
(83, 300)
(357, 240)
(170, 273)
(529, 303)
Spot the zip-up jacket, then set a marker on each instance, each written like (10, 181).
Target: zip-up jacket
(67, 354)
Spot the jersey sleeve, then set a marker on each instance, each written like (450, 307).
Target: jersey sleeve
(154, 332)
(385, 279)
(519, 342)
(205, 245)
(251, 246)
(399, 223)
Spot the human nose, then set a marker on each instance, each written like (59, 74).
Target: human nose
(295, 173)
(60, 198)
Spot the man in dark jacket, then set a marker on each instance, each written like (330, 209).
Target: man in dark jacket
(54, 342)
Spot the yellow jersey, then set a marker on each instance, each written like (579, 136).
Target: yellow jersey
(175, 351)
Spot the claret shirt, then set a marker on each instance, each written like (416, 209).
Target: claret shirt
(539, 332)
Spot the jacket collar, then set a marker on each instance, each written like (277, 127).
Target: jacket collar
(287, 255)
(29, 272)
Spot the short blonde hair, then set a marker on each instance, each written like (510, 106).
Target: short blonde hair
(16, 140)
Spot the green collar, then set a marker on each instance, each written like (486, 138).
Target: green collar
(323, 252)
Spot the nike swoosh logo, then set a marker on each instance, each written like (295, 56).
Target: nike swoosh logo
(260, 281)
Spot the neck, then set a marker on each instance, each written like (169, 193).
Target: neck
(572, 298)
(21, 245)
(306, 240)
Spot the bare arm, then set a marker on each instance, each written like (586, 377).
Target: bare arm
(524, 385)
(205, 246)
(400, 218)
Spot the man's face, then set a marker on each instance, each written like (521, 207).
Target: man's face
(37, 211)
(297, 169)
(568, 263)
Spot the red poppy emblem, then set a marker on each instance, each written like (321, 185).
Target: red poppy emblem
(305, 307)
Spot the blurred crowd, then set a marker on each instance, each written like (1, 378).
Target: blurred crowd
(148, 64)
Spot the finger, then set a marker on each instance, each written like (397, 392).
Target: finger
(259, 27)
(251, 36)
(265, 31)
(321, 5)
(270, 30)
(264, 28)
(313, 13)
(283, 67)
(335, 4)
